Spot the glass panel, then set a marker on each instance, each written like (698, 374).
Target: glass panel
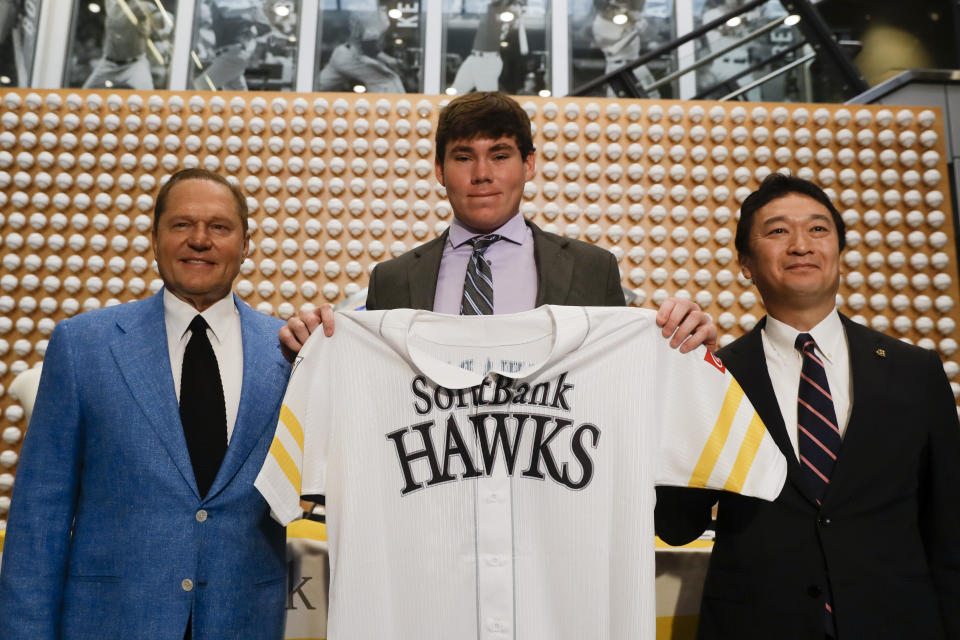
(607, 34)
(496, 44)
(752, 49)
(18, 40)
(121, 44)
(245, 44)
(734, 68)
(370, 45)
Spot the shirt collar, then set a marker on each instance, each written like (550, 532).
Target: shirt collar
(828, 334)
(179, 314)
(512, 230)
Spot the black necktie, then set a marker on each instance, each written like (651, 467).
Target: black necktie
(477, 297)
(202, 408)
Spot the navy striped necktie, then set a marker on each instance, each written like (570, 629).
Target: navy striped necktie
(818, 433)
(818, 436)
(477, 297)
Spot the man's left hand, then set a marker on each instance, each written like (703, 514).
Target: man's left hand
(687, 324)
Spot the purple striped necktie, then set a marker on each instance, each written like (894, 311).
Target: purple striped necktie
(818, 433)
(477, 299)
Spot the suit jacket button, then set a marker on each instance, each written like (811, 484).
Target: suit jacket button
(814, 591)
(823, 520)
(187, 584)
(202, 515)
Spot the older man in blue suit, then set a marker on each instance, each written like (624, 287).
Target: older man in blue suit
(134, 513)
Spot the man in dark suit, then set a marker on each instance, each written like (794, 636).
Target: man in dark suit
(862, 542)
(485, 154)
(134, 513)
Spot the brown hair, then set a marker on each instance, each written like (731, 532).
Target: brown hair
(198, 174)
(483, 114)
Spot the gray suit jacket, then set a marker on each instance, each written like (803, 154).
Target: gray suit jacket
(569, 272)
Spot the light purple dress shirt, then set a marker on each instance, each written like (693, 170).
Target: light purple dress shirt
(512, 264)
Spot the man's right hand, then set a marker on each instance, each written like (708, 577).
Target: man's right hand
(300, 326)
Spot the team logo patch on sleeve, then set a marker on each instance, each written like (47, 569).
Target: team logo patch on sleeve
(296, 363)
(715, 361)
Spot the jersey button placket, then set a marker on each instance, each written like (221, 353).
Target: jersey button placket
(494, 536)
(497, 627)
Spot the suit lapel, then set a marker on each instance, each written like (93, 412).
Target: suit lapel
(423, 272)
(264, 379)
(866, 380)
(748, 363)
(553, 281)
(140, 351)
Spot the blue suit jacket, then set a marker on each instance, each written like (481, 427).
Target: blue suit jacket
(105, 527)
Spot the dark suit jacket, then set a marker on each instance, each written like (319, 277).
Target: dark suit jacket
(886, 539)
(568, 272)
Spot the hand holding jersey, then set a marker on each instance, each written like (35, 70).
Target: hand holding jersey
(680, 320)
(505, 484)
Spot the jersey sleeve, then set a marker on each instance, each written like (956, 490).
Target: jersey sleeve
(296, 462)
(710, 436)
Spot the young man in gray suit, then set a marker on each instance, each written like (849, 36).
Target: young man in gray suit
(484, 155)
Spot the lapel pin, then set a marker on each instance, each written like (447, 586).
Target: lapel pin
(881, 352)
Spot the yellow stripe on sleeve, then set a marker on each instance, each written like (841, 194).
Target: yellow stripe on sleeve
(286, 463)
(748, 451)
(309, 529)
(292, 424)
(721, 429)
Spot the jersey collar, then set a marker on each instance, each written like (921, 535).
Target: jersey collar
(566, 326)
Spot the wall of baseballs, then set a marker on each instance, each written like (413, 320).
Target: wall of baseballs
(336, 183)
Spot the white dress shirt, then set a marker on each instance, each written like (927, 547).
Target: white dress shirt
(223, 321)
(784, 363)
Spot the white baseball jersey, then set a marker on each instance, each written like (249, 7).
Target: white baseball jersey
(493, 477)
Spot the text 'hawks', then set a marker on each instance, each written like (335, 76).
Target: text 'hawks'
(532, 445)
